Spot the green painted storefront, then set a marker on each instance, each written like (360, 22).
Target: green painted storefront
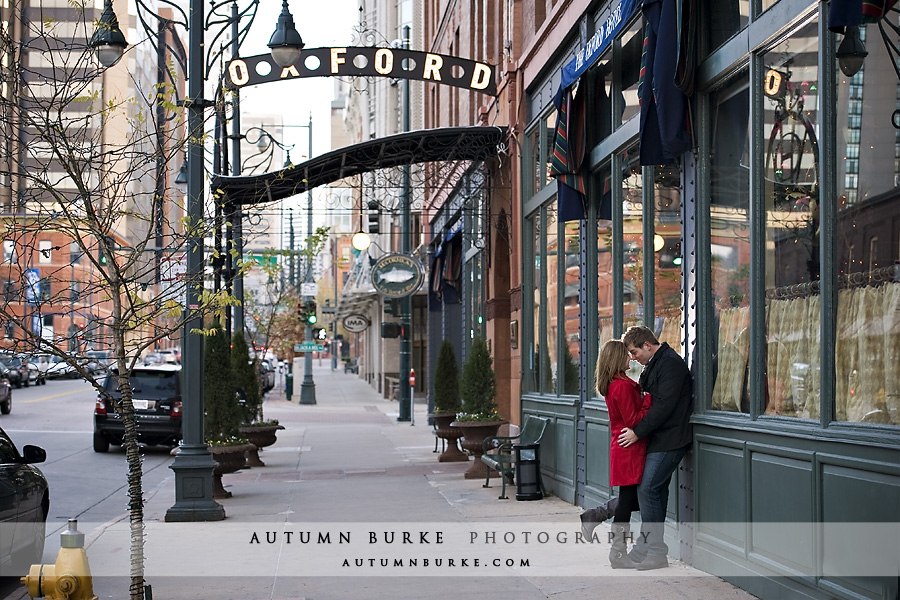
(775, 271)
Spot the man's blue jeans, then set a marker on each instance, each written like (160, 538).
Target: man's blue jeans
(653, 495)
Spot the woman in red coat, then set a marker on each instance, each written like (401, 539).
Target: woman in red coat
(627, 406)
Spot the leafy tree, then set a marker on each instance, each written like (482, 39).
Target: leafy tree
(446, 380)
(222, 412)
(478, 386)
(246, 378)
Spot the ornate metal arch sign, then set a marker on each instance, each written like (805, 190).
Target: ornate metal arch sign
(364, 61)
(397, 275)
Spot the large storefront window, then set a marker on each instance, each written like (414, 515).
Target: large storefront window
(549, 337)
(868, 244)
(791, 197)
(475, 298)
(571, 351)
(667, 249)
(725, 20)
(536, 344)
(632, 235)
(605, 299)
(730, 241)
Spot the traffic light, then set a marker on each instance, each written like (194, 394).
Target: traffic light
(321, 333)
(108, 241)
(391, 329)
(310, 309)
(374, 216)
(301, 312)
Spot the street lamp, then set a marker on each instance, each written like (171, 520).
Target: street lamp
(851, 53)
(108, 40)
(285, 43)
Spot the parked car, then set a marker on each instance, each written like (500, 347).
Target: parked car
(60, 369)
(5, 397)
(24, 504)
(157, 403)
(34, 375)
(267, 376)
(12, 368)
(171, 356)
(41, 362)
(103, 358)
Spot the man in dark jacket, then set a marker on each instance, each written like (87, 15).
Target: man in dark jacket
(668, 431)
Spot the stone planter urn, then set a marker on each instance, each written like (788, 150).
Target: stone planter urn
(451, 435)
(259, 436)
(474, 433)
(228, 460)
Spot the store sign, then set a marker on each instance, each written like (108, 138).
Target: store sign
(364, 61)
(355, 323)
(608, 28)
(397, 275)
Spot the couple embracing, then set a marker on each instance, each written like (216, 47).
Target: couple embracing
(650, 433)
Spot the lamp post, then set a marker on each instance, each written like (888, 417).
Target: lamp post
(406, 392)
(308, 387)
(193, 465)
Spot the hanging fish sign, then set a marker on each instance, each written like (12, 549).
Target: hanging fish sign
(397, 275)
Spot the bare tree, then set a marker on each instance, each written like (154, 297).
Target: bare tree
(94, 231)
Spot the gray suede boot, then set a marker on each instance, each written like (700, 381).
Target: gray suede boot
(618, 553)
(594, 516)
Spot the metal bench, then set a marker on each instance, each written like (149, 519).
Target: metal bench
(499, 450)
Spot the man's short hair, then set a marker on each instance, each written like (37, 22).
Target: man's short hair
(638, 335)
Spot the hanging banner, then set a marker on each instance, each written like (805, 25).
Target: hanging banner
(609, 28)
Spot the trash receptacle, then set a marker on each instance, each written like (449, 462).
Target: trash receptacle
(288, 385)
(528, 471)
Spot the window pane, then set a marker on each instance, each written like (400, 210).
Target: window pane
(532, 352)
(551, 302)
(549, 138)
(604, 270)
(868, 235)
(667, 246)
(730, 242)
(632, 233)
(632, 43)
(726, 17)
(766, 4)
(535, 147)
(571, 308)
(792, 229)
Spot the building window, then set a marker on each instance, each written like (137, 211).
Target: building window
(791, 173)
(9, 251)
(9, 330)
(44, 252)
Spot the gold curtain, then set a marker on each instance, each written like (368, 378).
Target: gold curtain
(733, 350)
(867, 354)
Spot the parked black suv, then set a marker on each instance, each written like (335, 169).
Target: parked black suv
(157, 404)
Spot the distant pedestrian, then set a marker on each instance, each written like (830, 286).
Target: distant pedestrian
(627, 406)
(667, 430)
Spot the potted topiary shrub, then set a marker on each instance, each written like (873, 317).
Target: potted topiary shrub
(259, 432)
(447, 403)
(479, 418)
(222, 414)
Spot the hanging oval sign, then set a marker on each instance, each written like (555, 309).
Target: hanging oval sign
(397, 275)
(355, 323)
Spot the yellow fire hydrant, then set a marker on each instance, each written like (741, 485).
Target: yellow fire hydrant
(70, 577)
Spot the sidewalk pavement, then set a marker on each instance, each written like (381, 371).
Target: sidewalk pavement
(317, 520)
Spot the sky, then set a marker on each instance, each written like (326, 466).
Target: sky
(321, 23)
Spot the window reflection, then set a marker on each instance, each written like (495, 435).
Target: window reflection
(868, 236)
(667, 249)
(605, 297)
(632, 43)
(549, 368)
(791, 172)
(730, 242)
(536, 344)
(632, 234)
(571, 351)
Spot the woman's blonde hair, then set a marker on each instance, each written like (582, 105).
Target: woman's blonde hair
(613, 360)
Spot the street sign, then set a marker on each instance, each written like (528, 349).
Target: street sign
(309, 289)
(397, 275)
(308, 347)
(355, 323)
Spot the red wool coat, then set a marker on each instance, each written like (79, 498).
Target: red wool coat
(627, 406)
